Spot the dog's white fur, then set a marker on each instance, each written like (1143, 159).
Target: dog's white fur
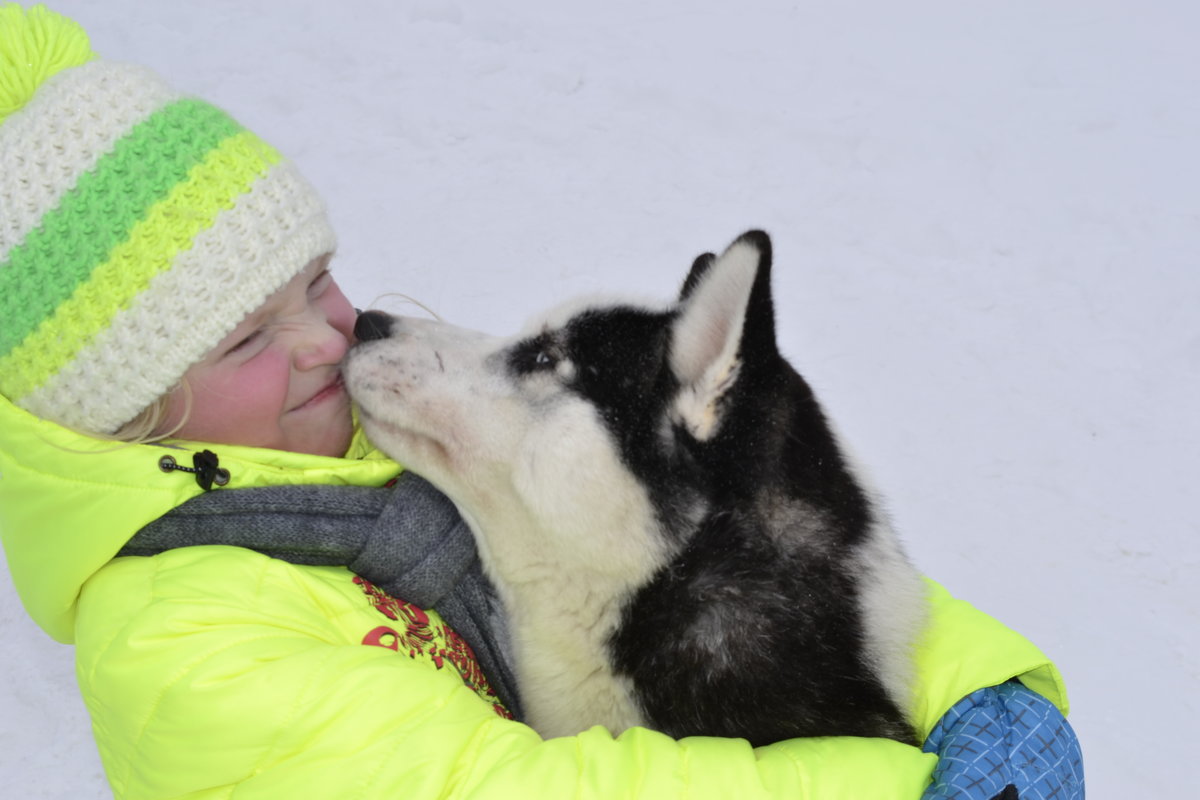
(539, 470)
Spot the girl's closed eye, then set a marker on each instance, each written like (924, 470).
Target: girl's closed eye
(245, 344)
(320, 283)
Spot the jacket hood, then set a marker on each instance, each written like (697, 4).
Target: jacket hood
(69, 502)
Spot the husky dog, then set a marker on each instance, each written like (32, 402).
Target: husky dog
(674, 530)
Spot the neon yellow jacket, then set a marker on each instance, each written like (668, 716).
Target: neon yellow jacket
(216, 672)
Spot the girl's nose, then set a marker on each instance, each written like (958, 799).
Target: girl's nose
(320, 345)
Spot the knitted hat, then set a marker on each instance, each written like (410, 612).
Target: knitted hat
(138, 227)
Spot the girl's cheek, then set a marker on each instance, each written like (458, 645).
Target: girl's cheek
(257, 381)
(267, 374)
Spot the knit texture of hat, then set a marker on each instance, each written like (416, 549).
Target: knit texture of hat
(138, 227)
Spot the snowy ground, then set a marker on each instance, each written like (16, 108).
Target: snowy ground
(986, 220)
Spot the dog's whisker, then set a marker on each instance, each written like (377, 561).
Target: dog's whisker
(409, 300)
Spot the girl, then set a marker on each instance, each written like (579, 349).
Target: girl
(169, 345)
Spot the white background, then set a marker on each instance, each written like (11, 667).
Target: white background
(986, 220)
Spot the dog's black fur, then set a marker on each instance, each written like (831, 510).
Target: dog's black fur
(784, 607)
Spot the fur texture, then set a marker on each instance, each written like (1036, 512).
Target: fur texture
(674, 528)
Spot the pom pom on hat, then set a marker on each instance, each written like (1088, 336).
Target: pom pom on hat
(138, 226)
(34, 45)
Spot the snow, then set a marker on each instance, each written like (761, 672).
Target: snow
(985, 218)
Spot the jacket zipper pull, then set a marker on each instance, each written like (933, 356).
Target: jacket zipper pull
(204, 467)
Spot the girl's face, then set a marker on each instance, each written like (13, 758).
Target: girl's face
(275, 380)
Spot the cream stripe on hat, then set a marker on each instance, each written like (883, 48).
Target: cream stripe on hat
(99, 102)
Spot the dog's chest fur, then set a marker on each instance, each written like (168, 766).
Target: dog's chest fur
(672, 525)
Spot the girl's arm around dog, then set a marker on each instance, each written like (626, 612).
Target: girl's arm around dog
(223, 669)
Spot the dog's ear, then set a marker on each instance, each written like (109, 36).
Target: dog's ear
(699, 267)
(725, 316)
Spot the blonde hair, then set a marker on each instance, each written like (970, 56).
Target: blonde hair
(148, 426)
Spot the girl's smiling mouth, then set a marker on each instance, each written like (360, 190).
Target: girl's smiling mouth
(334, 388)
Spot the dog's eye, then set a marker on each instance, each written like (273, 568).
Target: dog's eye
(536, 355)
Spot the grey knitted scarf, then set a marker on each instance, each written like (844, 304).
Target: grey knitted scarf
(407, 539)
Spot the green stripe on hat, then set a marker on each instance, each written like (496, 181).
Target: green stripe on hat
(101, 210)
(272, 232)
(169, 227)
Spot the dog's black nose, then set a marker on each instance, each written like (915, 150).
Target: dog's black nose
(372, 325)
